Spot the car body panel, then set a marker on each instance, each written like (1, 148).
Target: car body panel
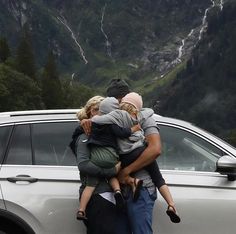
(2, 205)
(206, 204)
(50, 203)
(205, 200)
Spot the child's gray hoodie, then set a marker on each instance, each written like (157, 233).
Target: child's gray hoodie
(123, 119)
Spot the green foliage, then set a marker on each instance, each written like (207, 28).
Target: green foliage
(75, 94)
(4, 50)
(133, 28)
(25, 57)
(204, 92)
(51, 86)
(231, 138)
(17, 91)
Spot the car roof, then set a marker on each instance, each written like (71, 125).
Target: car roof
(18, 116)
(40, 115)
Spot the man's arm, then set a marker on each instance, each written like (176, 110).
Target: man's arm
(86, 166)
(153, 150)
(150, 154)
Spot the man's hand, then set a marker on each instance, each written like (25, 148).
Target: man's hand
(123, 176)
(136, 128)
(86, 125)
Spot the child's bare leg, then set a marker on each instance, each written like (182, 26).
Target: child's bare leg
(85, 197)
(171, 210)
(165, 193)
(114, 184)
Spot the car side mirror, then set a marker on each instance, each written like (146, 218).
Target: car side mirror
(226, 165)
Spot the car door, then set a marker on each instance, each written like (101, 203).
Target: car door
(206, 200)
(40, 179)
(5, 132)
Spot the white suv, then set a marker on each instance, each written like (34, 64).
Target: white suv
(39, 178)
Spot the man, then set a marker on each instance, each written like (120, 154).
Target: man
(139, 212)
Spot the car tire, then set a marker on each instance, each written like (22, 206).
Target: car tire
(7, 227)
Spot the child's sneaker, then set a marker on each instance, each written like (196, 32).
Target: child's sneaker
(120, 202)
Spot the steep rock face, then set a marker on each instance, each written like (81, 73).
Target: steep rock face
(204, 92)
(101, 39)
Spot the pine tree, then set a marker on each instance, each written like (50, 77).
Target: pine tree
(24, 56)
(4, 50)
(17, 91)
(52, 94)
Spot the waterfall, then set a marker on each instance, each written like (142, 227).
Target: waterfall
(221, 4)
(181, 48)
(191, 33)
(64, 22)
(204, 20)
(107, 43)
(23, 16)
(195, 31)
(72, 79)
(204, 24)
(181, 51)
(17, 9)
(202, 30)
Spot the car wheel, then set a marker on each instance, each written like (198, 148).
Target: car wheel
(8, 228)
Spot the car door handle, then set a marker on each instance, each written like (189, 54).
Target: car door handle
(26, 178)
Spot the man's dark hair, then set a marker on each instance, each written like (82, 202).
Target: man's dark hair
(117, 88)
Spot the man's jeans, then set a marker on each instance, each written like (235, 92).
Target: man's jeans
(139, 213)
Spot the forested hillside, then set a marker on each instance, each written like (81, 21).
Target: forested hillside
(205, 91)
(23, 87)
(180, 55)
(97, 40)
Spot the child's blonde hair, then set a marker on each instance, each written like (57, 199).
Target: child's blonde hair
(131, 109)
(85, 112)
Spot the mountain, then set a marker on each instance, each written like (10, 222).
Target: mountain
(179, 55)
(204, 91)
(100, 39)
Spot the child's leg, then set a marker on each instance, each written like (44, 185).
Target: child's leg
(120, 202)
(91, 183)
(171, 210)
(159, 182)
(165, 193)
(154, 172)
(127, 159)
(84, 199)
(136, 185)
(114, 184)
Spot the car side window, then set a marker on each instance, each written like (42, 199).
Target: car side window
(20, 147)
(182, 150)
(51, 143)
(4, 137)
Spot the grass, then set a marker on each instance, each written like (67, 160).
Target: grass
(161, 81)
